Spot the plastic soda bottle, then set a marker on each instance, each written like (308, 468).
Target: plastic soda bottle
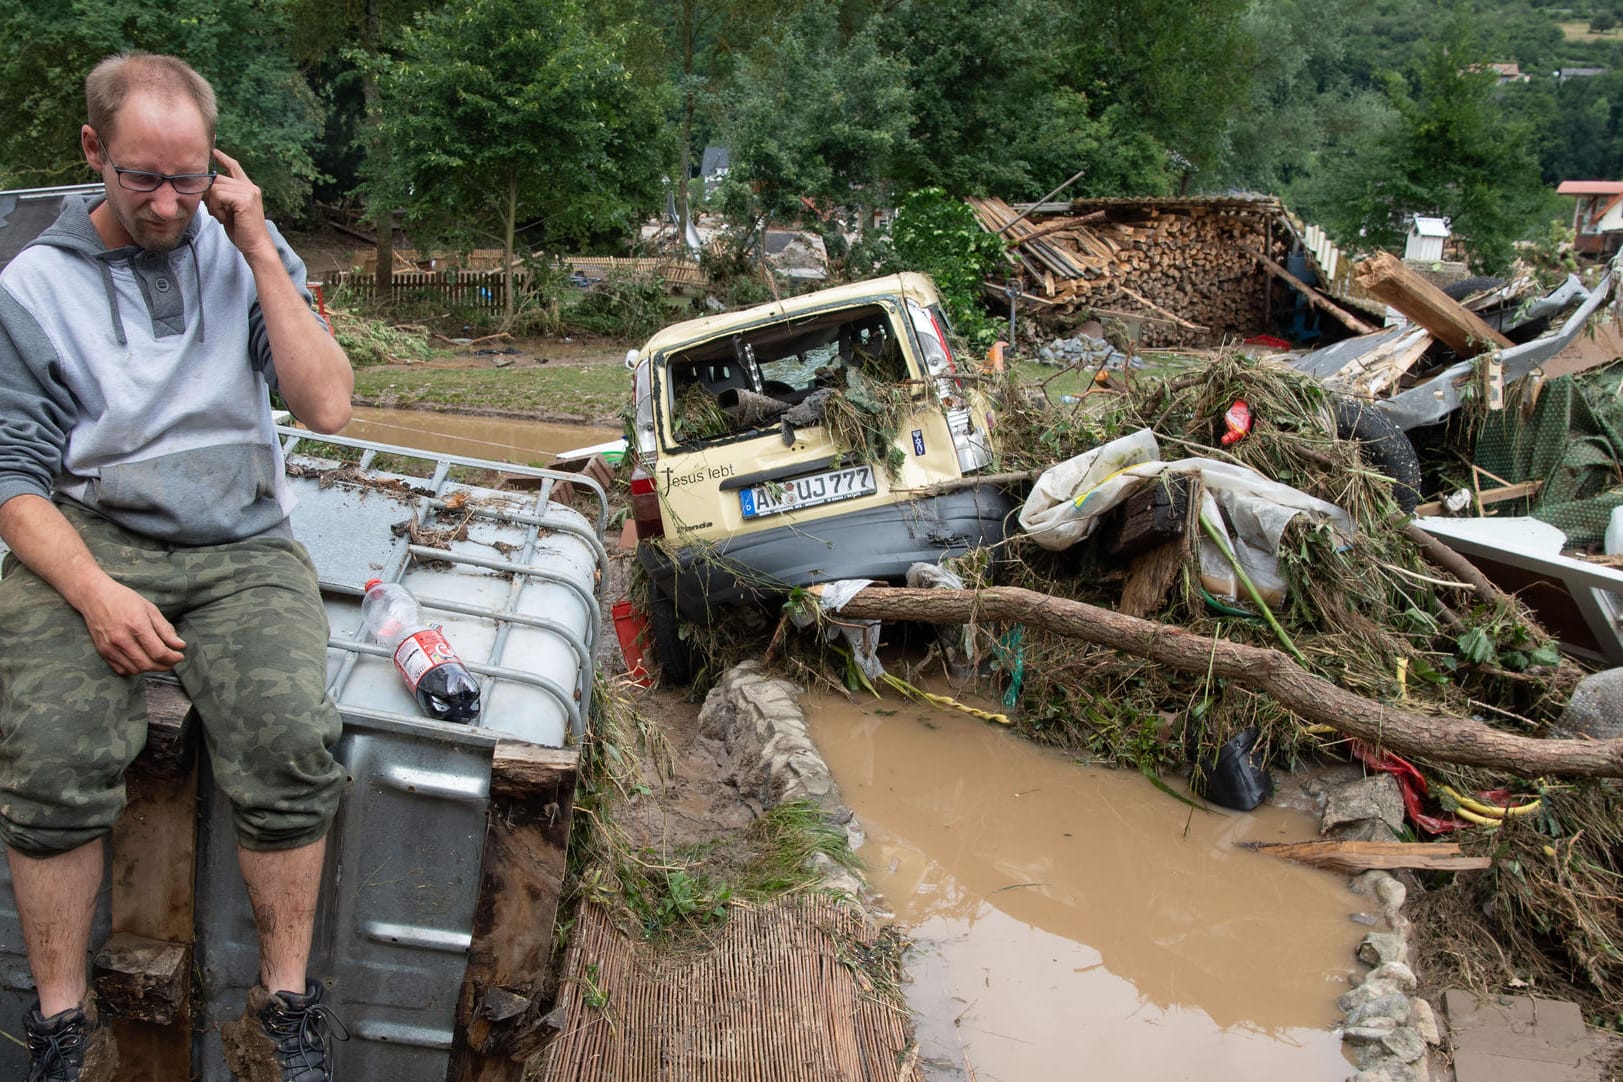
(433, 672)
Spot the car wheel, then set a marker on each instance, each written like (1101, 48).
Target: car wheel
(1466, 286)
(1384, 445)
(678, 661)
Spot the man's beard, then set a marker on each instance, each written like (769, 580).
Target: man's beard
(151, 237)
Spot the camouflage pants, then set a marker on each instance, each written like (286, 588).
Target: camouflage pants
(255, 668)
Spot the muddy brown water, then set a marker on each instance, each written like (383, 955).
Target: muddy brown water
(1078, 923)
(499, 439)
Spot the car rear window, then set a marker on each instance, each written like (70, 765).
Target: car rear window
(744, 383)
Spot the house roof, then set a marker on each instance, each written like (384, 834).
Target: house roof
(1430, 227)
(1590, 187)
(715, 159)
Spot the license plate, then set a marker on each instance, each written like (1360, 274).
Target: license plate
(811, 491)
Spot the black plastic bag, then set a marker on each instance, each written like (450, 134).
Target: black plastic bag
(1235, 776)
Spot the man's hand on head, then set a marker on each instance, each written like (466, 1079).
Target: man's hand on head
(236, 203)
(129, 631)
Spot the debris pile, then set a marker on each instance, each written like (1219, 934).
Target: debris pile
(1167, 632)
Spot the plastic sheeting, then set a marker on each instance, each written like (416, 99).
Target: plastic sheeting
(1247, 509)
(862, 636)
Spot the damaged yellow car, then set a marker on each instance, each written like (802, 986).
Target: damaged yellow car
(827, 436)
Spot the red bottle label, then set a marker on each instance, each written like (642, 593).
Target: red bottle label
(420, 652)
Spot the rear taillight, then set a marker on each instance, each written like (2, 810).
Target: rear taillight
(941, 337)
(645, 503)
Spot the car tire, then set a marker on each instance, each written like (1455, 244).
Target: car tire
(1384, 445)
(1466, 286)
(678, 661)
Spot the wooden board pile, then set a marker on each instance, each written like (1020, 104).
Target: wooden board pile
(1185, 270)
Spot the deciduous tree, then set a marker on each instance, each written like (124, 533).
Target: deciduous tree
(268, 116)
(502, 112)
(1446, 148)
(815, 115)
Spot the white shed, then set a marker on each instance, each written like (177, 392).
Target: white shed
(1426, 236)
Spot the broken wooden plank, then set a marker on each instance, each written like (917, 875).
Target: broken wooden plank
(1156, 308)
(1367, 375)
(153, 899)
(1354, 856)
(1152, 574)
(1487, 496)
(1338, 313)
(142, 979)
(1061, 226)
(532, 799)
(1384, 277)
(1150, 516)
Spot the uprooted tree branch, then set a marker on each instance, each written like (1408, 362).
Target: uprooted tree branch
(1310, 697)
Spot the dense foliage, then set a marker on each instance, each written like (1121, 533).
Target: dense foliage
(557, 122)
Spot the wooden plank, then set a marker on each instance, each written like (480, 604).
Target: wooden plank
(1351, 856)
(1158, 310)
(526, 844)
(1385, 277)
(143, 979)
(1366, 376)
(1151, 515)
(152, 860)
(1487, 496)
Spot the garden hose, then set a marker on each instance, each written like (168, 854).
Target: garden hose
(1481, 810)
(943, 700)
(1485, 821)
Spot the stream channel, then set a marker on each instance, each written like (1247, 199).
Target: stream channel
(1076, 922)
(500, 439)
(1070, 922)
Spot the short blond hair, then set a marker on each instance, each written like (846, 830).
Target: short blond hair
(111, 82)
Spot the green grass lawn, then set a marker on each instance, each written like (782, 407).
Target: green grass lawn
(591, 392)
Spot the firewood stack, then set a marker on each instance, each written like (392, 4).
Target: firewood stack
(1182, 269)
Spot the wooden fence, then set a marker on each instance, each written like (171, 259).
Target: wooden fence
(483, 290)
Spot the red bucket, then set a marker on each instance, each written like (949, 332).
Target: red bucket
(631, 628)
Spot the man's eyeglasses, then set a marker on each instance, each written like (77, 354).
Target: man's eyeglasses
(140, 180)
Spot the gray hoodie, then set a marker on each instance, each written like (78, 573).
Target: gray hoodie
(135, 383)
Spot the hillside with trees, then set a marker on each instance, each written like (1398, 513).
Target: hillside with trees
(548, 125)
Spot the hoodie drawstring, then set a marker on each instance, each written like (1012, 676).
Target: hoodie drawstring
(112, 301)
(197, 276)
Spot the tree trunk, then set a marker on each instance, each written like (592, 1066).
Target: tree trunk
(687, 29)
(509, 227)
(1311, 698)
(381, 217)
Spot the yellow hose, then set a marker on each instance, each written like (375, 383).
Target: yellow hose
(1480, 820)
(1491, 811)
(942, 700)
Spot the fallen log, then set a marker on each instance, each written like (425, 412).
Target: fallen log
(1456, 565)
(1317, 300)
(1312, 698)
(1353, 856)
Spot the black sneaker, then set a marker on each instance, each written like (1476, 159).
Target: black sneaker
(284, 1037)
(69, 1046)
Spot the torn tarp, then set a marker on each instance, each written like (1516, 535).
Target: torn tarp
(1070, 499)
